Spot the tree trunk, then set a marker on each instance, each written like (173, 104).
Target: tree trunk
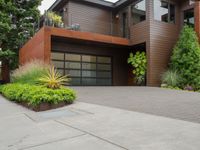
(5, 71)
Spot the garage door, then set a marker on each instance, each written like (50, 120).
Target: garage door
(88, 70)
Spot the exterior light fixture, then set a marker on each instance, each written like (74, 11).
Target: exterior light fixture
(117, 16)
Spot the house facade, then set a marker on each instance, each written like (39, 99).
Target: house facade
(97, 53)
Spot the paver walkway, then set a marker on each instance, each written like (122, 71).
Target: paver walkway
(84, 126)
(162, 102)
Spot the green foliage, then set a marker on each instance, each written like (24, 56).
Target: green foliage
(7, 55)
(171, 78)
(17, 21)
(53, 79)
(35, 95)
(186, 58)
(172, 88)
(139, 63)
(30, 72)
(56, 19)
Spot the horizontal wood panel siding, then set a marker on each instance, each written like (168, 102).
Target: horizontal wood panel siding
(163, 37)
(139, 33)
(90, 18)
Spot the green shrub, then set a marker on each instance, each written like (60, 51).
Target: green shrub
(171, 78)
(30, 72)
(186, 58)
(34, 95)
(139, 63)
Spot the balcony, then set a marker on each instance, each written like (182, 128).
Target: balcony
(92, 29)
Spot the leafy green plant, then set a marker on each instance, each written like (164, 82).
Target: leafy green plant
(53, 79)
(139, 63)
(186, 58)
(16, 24)
(35, 95)
(56, 19)
(30, 72)
(171, 78)
(6, 54)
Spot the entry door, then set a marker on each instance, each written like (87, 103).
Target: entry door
(86, 70)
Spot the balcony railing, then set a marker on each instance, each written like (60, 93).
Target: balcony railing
(94, 26)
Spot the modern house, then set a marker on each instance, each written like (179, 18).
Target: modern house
(97, 53)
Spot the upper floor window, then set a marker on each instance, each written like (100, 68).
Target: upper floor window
(164, 11)
(189, 17)
(138, 11)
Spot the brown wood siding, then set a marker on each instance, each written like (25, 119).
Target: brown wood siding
(119, 57)
(163, 37)
(139, 33)
(197, 18)
(90, 18)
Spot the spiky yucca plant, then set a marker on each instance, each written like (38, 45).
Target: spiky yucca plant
(53, 79)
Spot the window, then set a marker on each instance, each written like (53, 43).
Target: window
(138, 11)
(164, 11)
(84, 69)
(191, 2)
(189, 17)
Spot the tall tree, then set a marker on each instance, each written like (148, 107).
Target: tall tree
(18, 19)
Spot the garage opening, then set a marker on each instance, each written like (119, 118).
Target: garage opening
(84, 70)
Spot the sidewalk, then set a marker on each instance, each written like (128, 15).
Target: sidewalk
(83, 126)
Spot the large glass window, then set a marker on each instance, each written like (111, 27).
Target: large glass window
(189, 17)
(84, 69)
(138, 11)
(164, 11)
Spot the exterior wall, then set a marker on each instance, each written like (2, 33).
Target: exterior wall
(119, 57)
(36, 48)
(33, 49)
(91, 18)
(197, 18)
(162, 38)
(139, 33)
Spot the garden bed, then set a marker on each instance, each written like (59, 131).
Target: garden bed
(38, 98)
(44, 106)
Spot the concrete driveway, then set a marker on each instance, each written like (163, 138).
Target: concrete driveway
(86, 126)
(162, 102)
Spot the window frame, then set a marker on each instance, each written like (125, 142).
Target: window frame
(81, 77)
(132, 15)
(169, 12)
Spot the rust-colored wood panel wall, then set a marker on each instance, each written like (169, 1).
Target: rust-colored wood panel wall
(33, 49)
(36, 48)
(91, 18)
(119, 56)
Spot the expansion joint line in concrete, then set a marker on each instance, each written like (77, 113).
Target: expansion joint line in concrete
(92, 135)
(58, 140)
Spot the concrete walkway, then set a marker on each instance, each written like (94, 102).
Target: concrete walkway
(162, 102)
(84, 126)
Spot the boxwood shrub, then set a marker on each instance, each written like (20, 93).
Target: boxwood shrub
(34, 95)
